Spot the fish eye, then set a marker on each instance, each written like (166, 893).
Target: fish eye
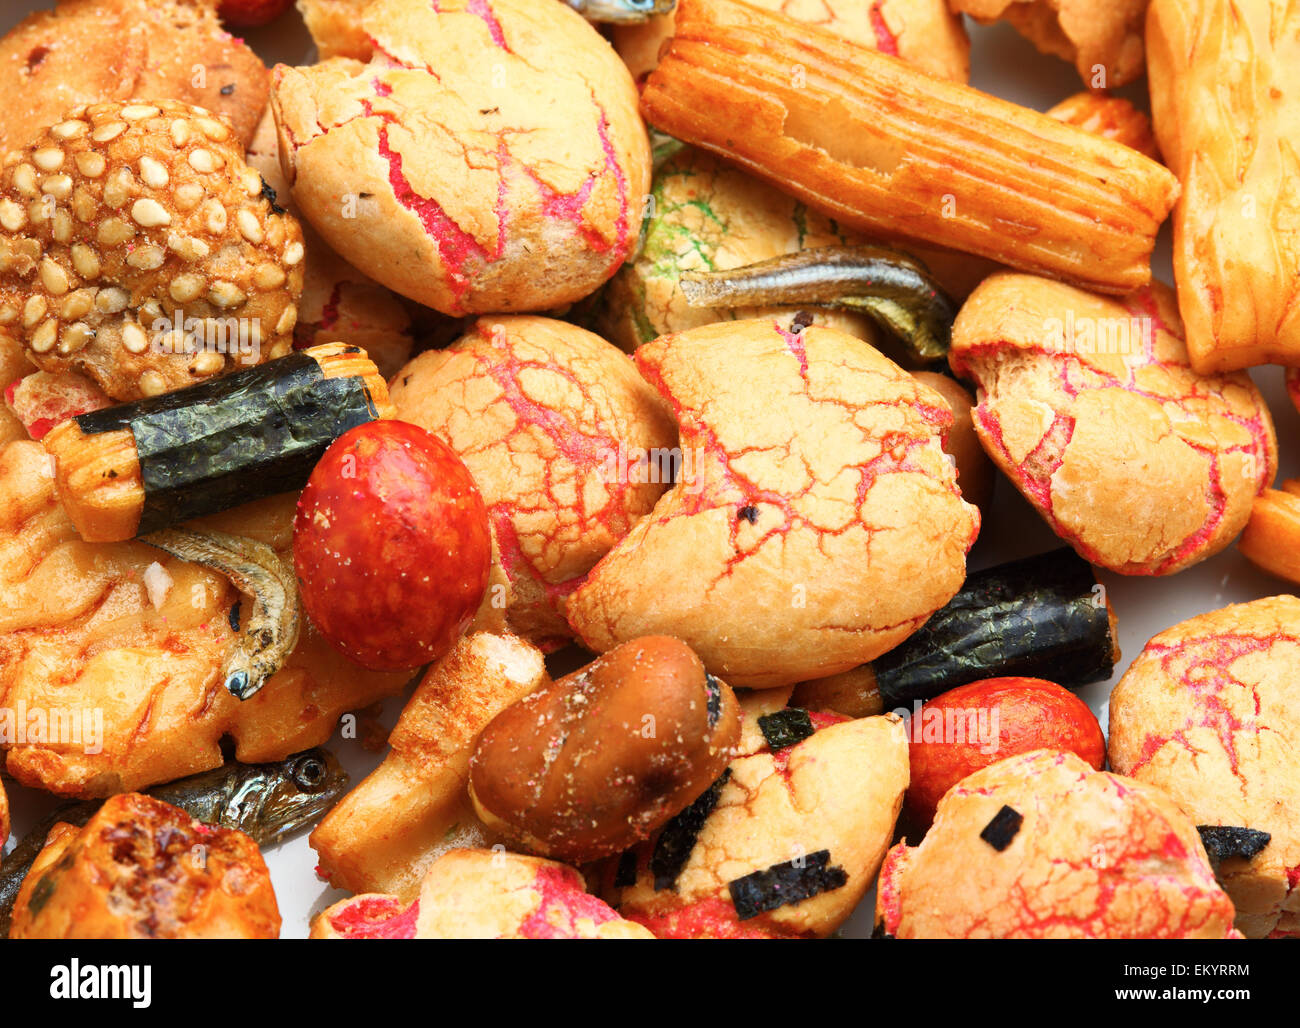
(309, 774)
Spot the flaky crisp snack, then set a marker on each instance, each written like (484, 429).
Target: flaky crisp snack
(1101, 38)
(893, 151)
(1112, 117)
(1225, 98)
(87, 51)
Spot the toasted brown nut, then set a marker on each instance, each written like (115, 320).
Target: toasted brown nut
(590, 765)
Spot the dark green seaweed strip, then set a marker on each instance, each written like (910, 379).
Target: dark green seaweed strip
(781, 884)
(1002, 830)
(1039, 617)
(1224, 841)
(234, 439)
(675, 842)
(787, 727)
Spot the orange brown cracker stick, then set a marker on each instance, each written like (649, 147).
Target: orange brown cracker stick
(568, 444)
(789, 526)
(143, 869)
(1041, 846)
(1271, 539)
(924, 33)
(1209, 713)
(1112, 117)
(890, 150)
(482, 894)
(78, 629)
(1090, 407)
(4, 816)
(389, 829)
(162, 467)
(1101, 38)
(1225, 100)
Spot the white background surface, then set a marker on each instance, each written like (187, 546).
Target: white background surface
(1002, 63)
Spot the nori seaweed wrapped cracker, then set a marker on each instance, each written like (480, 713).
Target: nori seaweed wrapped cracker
(133, 469)
(1041, 617)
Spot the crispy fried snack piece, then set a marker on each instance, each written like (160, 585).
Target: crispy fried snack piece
(924, 33)
(818, 522)
(1209, 712)
(336, 27)
(1111, 117)
(482, 894)
(1101, 38)
(890, 150)
(1079, 854)
(390, 828)
(837, 791)
(139, 250)
(567, 443)
(78, 631)
(489, 158)
(1225, 99)
(4, 816)
(1272, 537)
(143, 869)
(339, 303)
(1090, 407)
(88, 51)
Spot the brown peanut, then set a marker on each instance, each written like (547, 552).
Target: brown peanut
(597, 761)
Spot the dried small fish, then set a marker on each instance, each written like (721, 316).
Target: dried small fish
(271, 631)
(621, 12)
(892, 288)
(266, 801)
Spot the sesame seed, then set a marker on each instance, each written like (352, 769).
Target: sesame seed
(57, 186)
(75, 337)
(118, 188)
(112, 300)
(152, 173)
(69, 129)
(287, 320)
(45, 337)
(53, 277)
(188, 196)
(77, 305)
(62, 229)
(91, 164)
(293, 253)
(207, 363)
(268, 276)
(85, 261)
(180, 131)
(107, 133)
(226, 294)
(12, 215)
(33, 310)
(8, 315)
(213, 129)
(147, 257)
(252, 183)
(25, 180)
(149, 214)
(152, 384)
(114, 232)
(138, 112)
(187, 287)
(249, 227)
(84, 205)
(133, 338)
(205, 161)
(49, 158)
(214, 217)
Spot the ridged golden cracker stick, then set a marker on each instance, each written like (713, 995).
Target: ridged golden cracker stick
(893, 151)
(1110, 116)
(1225, 99)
